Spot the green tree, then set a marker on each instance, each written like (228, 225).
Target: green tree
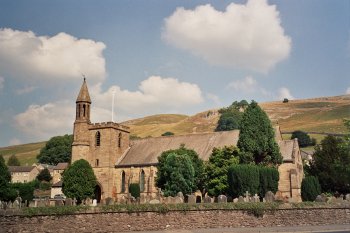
(257, 137)
(242, 178)
(134, 190)
(13, 161)
(269, 178)
(331, 165)
(179, 174)
(196, 162)
(216, 169)
(168, 133)
(304, 139)
(310, 188)
(57, 150)
(44, 175)
(25, 190)
(231, 116)
(6, 192)
(79, 180)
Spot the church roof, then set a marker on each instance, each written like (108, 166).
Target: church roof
(84, 93)
(146, 151)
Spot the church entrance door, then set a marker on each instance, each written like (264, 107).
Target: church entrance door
(98, 193)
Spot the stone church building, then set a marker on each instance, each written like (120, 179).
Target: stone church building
(117, 161)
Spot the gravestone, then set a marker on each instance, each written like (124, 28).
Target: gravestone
(207, 199)
(191, 199)
(180, 194)
(347, 197)
(240, 199)
(143, 200)
(235, 200)
(321, 198)
(19, 199)
(256, 198)
(109, 201)
(15, 204)
(94, 202)
(69, 202)
(269, 196)
(88, 201)
(154, 201)
(74, 201)
(1, 207)
(222, 199)
(178, 200)
(58, 203)
(247, 197)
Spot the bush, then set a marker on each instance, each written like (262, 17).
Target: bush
(304, 139)
(310, 188)
(242, 178)
(134, 190)
(168, 133)
(44, 185)
(44, 175)
(25, 190)
(269, 177)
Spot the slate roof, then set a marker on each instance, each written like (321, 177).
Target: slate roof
(146, 151)
(61, 166)
(21, 168)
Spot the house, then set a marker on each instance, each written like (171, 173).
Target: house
(23, 174)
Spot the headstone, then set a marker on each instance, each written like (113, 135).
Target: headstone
(154, 201)
(321, 198)
(180, 194)
(143, 199)
(1, 205)
(19, 199)
(94, 202)
(178, 200)
(88, 201)
(16, 204)
(207, 199)
(235, 200)
(191, 199)
(69, 202)
(109, 201)
(222, 199)
(347, 197)
(74, 201)
(269, 196)
(58, 203)
(240, 199)
(256, 198)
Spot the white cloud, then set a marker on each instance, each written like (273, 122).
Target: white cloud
(244, 36)
(60, 57)
(248, 85)
(14, 141)
(348, 91)
(25, 90)
(155, 95)
(2, 80)
(284, 92)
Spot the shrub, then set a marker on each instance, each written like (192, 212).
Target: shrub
(269, 177)
(310, 188)
(168, 133)
(285, 100)
(304, 139)
(134, 190)
(44, 175)
(44, 185)
(242, 178)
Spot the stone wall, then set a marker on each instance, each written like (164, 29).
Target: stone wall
(116, 222)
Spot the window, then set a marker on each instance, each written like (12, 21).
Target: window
(123, 182)
(142, 181)
(97, 162)
(98, 138)
(120, 140)
(84, 110)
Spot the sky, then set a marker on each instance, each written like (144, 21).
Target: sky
(158, 57)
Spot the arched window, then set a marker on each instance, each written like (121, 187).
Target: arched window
(84, 110)
(98, 138)
(142, 181)
(123, 182)
(120, 140)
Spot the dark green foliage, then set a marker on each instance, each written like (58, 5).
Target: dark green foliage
(310, 188)
(79, 180)
(44, 185)
(216, 169)
(196, 163)
(304, 139)
(178, 172)
(13, 161)
(57, 150)
(258, 137)
(168, 133)
(331, 165)
(6, 193)
(285, 100)
(25, 190)
(269, 178)
(242, 178)
(134, 190)
(231, 116)
(44, 175)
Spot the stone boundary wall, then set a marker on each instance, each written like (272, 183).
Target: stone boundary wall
(117, 222)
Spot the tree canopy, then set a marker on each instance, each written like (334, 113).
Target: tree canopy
(79, 180)
(13, 161)
(231, 116)
(6, 192)
(44, 175)
(57, 150)
(216, 169)
(168, 133)
(304, 139)
(257, 137)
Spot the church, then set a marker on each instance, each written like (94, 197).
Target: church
(118, 161)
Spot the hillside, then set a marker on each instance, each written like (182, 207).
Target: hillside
(313, 115)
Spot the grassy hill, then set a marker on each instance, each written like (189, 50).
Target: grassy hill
(324, 114)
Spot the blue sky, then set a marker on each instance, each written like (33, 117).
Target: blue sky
(163, 57)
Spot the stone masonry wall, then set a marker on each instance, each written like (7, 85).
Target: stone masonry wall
(117, 222)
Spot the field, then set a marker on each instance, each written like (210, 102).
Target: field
(320, 115)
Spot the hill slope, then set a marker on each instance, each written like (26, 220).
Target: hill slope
(316, 115)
